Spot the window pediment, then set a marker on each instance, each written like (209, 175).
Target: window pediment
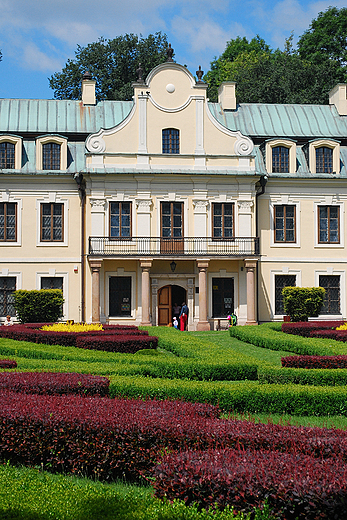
(58, 161)
(13, 162)
(285, 162)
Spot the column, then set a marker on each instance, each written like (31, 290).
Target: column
(250, 266)
(145, 291)
(95, 265)
(202, 324)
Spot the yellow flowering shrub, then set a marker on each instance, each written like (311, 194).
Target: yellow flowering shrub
(73, 327)
(342, 327)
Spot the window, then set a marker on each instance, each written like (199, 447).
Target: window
(171, 140)
(280, 156)
(51, 156)
(280, 159)
(223, 220)
(328, 224)
(52, 282)
(324, 160)
(120, 219)
(331, 303)
(51, 153)
(52, 222)
(222, 297)
(172, 219)
(7, 155)
(120, 296)
(324, 156)
(10, 152)
(284, 217)
(8, 221)
(7, 288)
(282, 281)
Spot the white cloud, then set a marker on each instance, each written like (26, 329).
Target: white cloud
(34, 59)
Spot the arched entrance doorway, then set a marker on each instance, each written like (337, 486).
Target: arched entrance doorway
(167, 297)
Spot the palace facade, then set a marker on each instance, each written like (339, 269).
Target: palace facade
(131, 207)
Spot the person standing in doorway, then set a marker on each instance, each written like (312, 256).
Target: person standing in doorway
(176, 310)
(184, 316)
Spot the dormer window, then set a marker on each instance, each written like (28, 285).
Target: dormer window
(324, 156)
(280, 159)
(281, 156)
(171, 140)
(10, 152)
(51, 153)
(51, 156)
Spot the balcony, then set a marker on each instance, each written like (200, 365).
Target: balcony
(173, 247)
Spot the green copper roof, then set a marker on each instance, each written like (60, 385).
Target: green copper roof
(296, 121)
(49, 116)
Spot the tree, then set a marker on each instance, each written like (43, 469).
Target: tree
(112, 63)
(326, 38)
(222, 69)
(263, 75)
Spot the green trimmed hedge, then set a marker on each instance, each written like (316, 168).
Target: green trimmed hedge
(45, 305)
(302, 376)
(269, 335)
(243, 396)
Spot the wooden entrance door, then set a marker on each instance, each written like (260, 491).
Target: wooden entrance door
(164, 305)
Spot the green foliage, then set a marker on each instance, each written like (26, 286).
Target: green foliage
(302, 302)
(326, 39)
(112, 63)
(302, 376)
(28, 494)
(38, 306)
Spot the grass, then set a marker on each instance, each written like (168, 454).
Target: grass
(30, 494)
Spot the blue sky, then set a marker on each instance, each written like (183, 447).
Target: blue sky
(38, 36)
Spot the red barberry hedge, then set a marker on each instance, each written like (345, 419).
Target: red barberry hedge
(125, 343)
(54, 383)
(8, 363)
(296, 486)
(128, 340)
(314, 361)
(124, 438)
(304, 328)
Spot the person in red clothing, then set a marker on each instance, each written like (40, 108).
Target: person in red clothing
(184, 316)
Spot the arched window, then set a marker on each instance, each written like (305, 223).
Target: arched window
(51, 156)
(324, 160)
(171, 140)
(7, 155)
(280, 159)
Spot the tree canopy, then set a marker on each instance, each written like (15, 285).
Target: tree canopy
(305, 75)
(326, 38)
(112, 63)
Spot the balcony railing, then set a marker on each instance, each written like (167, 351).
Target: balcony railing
(169, 247)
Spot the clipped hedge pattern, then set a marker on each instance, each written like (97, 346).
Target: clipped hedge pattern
(297, 487)
(112, 343)
(302, 376)
(54, 383)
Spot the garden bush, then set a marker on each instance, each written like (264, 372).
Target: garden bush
(302, 376)
(8, 363)
(54, 383)
(38, 306)
(295, 486)
(304, 328)
(114, 343)
(302, 302)
(314, 361)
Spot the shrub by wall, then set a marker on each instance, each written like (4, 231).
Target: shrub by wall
(302, 302)
(54, 383)
(296, 487)
(39, 306)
